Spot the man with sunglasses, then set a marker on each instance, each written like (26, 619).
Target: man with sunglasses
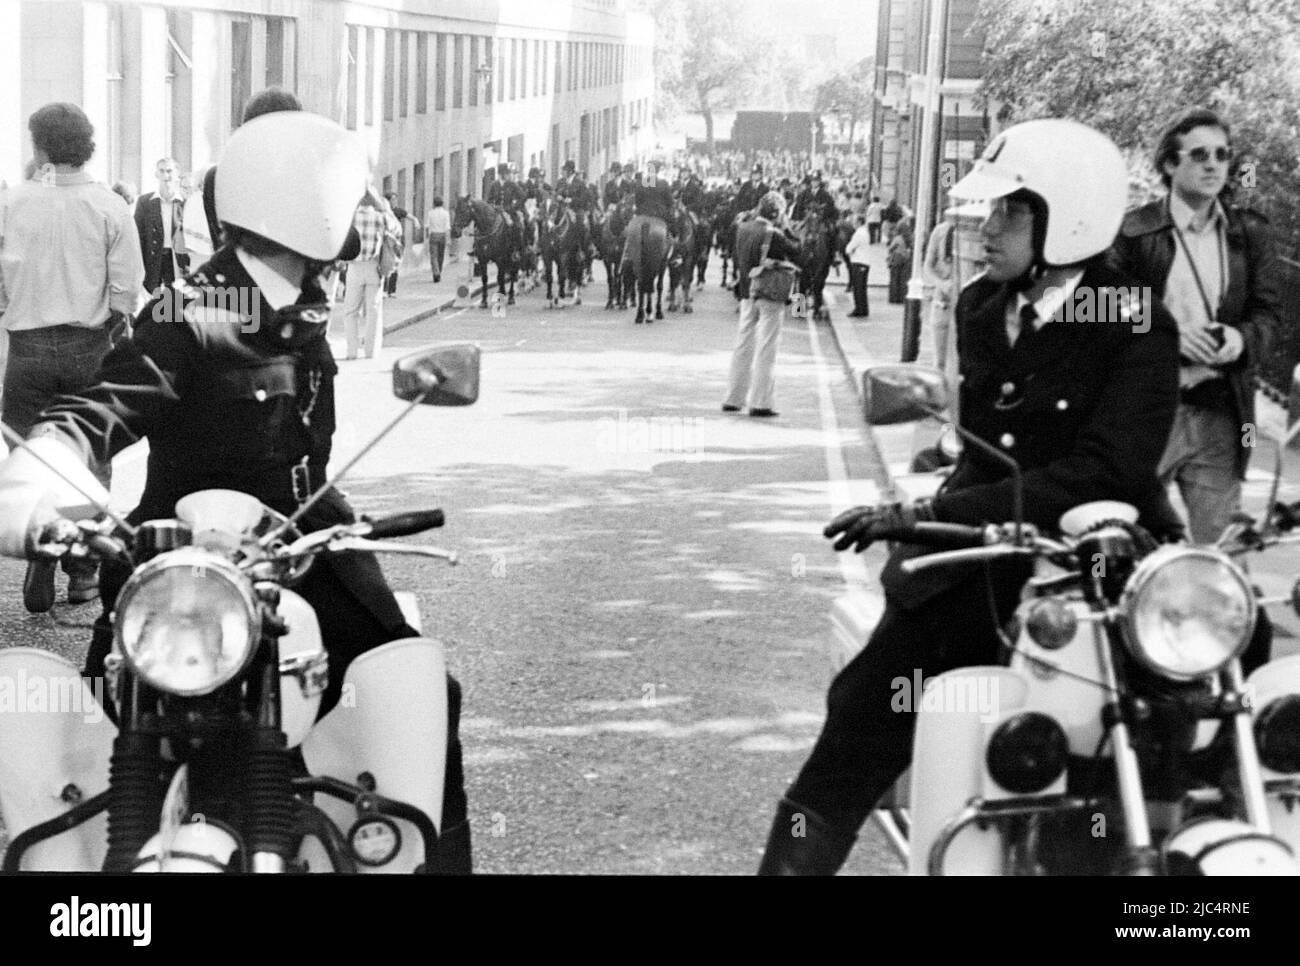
(1215, 268)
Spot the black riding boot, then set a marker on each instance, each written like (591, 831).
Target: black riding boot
(453, 856)
(802, 843)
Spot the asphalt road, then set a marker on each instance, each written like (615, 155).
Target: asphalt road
(639, 618)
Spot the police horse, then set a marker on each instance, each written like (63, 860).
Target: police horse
(495, 241)
(560, 242)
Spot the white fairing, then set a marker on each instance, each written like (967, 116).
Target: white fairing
(196, 847)
(298, 711)
(392, 723)
(948, 769)
(1228, 846)
(1274, 680)
(63, 740)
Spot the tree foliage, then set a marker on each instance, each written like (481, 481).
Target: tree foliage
(1128, 66)
(847, 93)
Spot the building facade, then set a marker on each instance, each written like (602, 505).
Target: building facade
(440, 90)
(902, 75)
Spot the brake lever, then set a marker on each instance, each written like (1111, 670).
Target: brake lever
(345, 542)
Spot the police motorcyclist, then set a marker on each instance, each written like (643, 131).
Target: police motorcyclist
(238, 393)
(1083, 408)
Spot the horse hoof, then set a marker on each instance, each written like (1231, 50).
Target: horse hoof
(688, 310)
(659, 315)
(510, 301)
(608, 306)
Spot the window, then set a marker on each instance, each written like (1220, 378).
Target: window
(421, 73)
(114, 79)
(472, 186)
(487, 82)
(523, 69)
(537, 67)
(370, 75)
(274, 52)
(458, 76)
(454, 187)
(241, 69)
(500, 75)
(439, 181)
(559, 85)
(440, 73)
(417, 188)
(352, 78)
(390, 71)
(514, 69)
(404, 73)
(401, 189)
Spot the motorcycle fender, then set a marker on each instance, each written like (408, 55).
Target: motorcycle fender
(1065, 683)
(948, 765)
(53, 735)
(391, 722)
(298, 707)
(1274, 680)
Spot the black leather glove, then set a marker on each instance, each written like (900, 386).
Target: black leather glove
(862, 526)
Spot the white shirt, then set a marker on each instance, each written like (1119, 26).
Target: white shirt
(859, 245)
(438, 221)
(1047, 307)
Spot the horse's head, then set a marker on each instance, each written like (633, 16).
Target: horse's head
(464, 213)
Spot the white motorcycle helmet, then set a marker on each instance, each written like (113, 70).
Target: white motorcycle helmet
(1077, 172)
(294, 178)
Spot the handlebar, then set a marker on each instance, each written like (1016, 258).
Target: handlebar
(405, 524)
(949, 535)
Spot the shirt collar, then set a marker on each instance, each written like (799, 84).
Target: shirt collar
(1182, 215)
(65, 178)
(277, 291)
(1051, 301)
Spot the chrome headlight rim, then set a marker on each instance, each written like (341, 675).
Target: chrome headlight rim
(1146, 571)
(188, 557)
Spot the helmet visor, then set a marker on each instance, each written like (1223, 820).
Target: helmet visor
(987, 180)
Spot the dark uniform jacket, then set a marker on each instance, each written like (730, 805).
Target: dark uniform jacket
(655, 200)
(149, 225)
(750, 237)
(616, 189)
(749, 196)
(507, 194)
(1085, 405)
(1251, 302)
(821, 199)
(575, 190)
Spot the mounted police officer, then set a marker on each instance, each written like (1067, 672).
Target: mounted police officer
(815, 195)
(535, 188)
(575, 193)
(619, 184)
(750, 192)
(1083, 408)
(231, 379)
(509, 197)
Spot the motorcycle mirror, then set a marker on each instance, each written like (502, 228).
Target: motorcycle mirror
(903, 393)
(440, 376)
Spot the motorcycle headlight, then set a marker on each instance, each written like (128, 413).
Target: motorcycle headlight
(1187, 612)
(187, 622)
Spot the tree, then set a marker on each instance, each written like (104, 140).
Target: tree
(1127, 66)
(847, 94)
(709, 54)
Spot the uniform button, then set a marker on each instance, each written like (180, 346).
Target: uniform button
(1063, 404)
(260, 395)
(1008, 388)
(221, 279)
(1007, 441)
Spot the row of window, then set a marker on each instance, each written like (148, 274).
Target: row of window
(482, 69)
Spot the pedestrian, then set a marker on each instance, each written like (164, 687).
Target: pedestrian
(890, 216)
(753, 361)
(390, 281)
(899, 258)
(159, 222)
(438, 226)
(193, 381)
(126, 191)
(875, 215)
(70, 274)
(363, 308)
(1215, 267)
(939, 276)
(859, 268)
(1083, 409)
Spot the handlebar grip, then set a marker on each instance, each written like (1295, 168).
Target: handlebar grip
(954, 536)
(405, 524)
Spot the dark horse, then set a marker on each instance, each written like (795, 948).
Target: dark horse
(644, 259)
(610, 242)
(560, 242)
(816, 240)
(681, 267)
(495, 240)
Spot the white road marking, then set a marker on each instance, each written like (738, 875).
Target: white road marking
(841, 492)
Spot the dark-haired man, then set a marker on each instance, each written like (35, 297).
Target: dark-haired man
(1215, 267)
(159, 219)
(70, 273)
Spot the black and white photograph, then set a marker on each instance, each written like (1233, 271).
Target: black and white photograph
(652, 438)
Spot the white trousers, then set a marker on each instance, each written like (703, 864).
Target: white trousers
(363, 308)
(753, 362)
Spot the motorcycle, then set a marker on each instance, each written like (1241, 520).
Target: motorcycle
(1121, 702)
(217, 671)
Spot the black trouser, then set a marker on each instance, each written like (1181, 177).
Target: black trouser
(865, 745)
(858, 277)
(897, 284)
(390, 283)
(348, 628)
(437, 251)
